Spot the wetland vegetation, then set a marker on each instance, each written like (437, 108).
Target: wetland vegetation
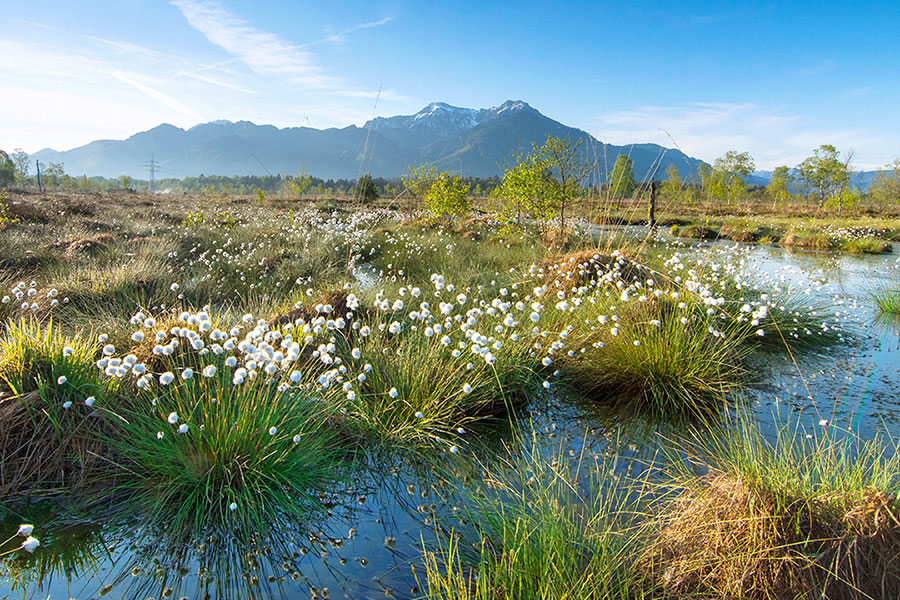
(214, 395)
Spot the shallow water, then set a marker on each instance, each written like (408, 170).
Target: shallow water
(365, 543)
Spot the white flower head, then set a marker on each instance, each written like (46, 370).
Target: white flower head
(30, 544)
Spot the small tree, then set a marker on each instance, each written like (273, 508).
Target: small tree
(419, 180)
(885, 187)
(125, 181)
(7, 170)
(621, 181)
(779, 187)
(561, 159)
(366, 191)
(530, 189)
(23, 163)
(713, 184)
(734, 167)
(824, 173)
(53, 174)
(448, 196)
(673, 187)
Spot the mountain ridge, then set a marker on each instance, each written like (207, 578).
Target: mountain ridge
(472, 142)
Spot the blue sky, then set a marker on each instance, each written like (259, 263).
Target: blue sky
(774, 79)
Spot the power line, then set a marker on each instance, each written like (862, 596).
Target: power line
(153, 165)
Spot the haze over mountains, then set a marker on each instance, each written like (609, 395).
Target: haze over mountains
(463, 140)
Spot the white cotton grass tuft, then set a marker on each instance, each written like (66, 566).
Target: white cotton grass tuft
(30, 544)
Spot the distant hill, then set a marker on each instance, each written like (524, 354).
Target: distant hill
(463, 140)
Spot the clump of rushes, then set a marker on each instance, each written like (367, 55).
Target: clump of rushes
(204, 452)
(867, 245)
(52, 409)
(543, 526)
(418, 380)
(782, 519)
(665, 357)
(887, 300)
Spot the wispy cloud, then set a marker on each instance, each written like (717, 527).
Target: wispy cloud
(341, 36)
(164, 99)
(708, 130)
(264, 52)
(128, 47)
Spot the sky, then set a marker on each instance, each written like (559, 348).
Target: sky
(775, 79)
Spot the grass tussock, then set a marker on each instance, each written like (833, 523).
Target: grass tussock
(664, 360)
(587, 267)
(418, 388)
(49, 427)
(782, 520)
(539, 532)
(202, 453)
(887, 300)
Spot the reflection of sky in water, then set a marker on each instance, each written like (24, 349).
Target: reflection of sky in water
(363, 543)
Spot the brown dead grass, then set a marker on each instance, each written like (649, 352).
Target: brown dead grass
(576, 269)
(337, 299)
(729, 539)
(37, 457)
(77, 247)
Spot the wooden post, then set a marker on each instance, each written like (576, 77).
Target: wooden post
(651, 217)
(37, 164)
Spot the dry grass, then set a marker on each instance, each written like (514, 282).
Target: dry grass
(580, 268)
(732, 539)
(40, 454)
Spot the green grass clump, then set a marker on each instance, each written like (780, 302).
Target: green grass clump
(783, 519)
(664, 360)
(813, 240)
(539, 531)
(866, 245)
(34, 355)
(887, 300)
(49, 437)
(242, 453)
(436, 393)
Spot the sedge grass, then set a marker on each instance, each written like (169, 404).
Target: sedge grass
(418, 387)
(52, 410)
(206, 453)
(887, 300)
(793, 517)
(543, 525)
(665, 358)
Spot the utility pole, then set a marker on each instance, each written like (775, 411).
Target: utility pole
(153, 165)
(37, 163)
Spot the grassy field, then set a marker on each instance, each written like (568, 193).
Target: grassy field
(217, 363)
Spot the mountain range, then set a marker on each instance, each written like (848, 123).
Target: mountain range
(466, 141)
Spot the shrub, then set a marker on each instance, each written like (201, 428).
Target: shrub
(448, 196)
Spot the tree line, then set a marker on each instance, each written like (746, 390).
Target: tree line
(543, 182)
(823, 180)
